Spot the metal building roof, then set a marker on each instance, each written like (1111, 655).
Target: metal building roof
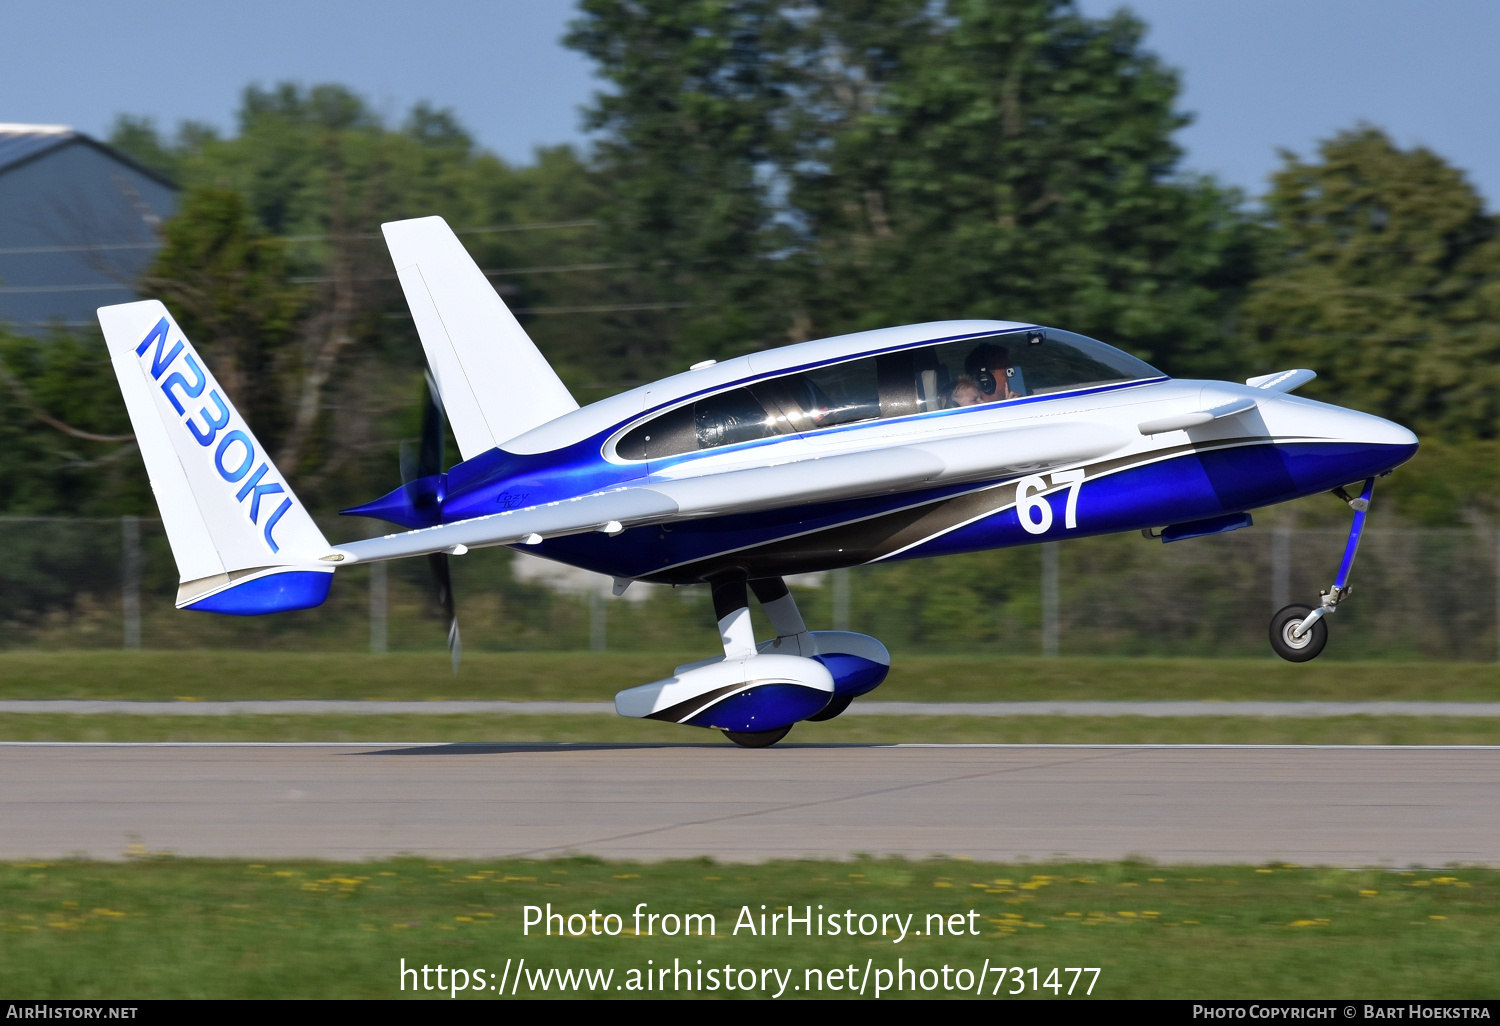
(22, 142)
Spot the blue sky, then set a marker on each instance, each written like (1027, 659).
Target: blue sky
(1258, 74)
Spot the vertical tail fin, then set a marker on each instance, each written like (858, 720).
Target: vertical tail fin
(243, 542)
(494, 381)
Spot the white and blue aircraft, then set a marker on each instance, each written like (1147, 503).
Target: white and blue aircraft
(923, 440)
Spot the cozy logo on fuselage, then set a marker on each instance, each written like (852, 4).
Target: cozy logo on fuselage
(234, 454)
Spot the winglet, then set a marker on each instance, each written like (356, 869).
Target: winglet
(494, 382)
(244, 544)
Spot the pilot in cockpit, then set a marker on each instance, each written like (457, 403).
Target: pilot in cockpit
(989, 366)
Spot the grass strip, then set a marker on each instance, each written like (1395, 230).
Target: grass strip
(596, 676)
(170, 928)
(1343, 730)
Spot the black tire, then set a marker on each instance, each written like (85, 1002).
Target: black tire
(1296, 650)
(758, 738)
(832, 709)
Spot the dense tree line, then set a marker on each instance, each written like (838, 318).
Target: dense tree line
(765, 173)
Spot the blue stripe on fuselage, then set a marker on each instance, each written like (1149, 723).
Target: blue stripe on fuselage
(1187, 487)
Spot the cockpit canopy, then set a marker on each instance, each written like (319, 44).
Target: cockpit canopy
(975, 371)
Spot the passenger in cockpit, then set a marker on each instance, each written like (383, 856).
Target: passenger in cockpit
(965, 392)
(987, 366)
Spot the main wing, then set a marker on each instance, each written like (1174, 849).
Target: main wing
(874, 472)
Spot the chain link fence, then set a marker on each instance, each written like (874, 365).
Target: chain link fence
(1418, 594)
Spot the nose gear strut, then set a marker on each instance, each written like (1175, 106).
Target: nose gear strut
(1299, 633)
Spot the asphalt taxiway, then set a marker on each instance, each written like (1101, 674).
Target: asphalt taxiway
(1343, 805)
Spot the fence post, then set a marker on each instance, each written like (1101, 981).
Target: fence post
(1281, 567)
(1050, 600)
(1497, 594)
(841, 599)
(598, 640)
(379, 608)
(130, 579)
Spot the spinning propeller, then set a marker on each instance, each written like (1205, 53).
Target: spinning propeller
(429, 462)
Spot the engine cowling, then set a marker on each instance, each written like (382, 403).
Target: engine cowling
(764, 692)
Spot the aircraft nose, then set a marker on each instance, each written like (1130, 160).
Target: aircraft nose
(1325, 445)
(1293, 415)
(1373, 430)
(1380, 444)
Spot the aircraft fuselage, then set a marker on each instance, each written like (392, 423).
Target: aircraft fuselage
(1085, 463)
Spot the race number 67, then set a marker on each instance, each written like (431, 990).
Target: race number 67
(1029, 500)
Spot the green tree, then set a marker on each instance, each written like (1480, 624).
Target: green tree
(858, 163)
(276, 266)
(689, 140)
(226, 282)
(1383, 275)
(65, 441)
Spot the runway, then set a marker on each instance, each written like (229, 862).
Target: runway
(1391, 806)
(338, 707)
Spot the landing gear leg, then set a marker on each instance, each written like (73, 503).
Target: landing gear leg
(776, 600)
(732, 608)
(792, 636)
(1299, 633)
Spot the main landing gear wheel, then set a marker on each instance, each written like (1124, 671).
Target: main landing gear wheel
(758, 738)
(832, 709)
(1290, 647)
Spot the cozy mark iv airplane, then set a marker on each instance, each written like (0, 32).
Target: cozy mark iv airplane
(922, 440)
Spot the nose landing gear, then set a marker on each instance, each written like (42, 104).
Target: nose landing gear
(1299, 633)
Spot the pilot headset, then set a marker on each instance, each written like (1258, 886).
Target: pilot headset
(979, 366)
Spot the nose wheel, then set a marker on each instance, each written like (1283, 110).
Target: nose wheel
(1298, 633)
(1291, 645)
